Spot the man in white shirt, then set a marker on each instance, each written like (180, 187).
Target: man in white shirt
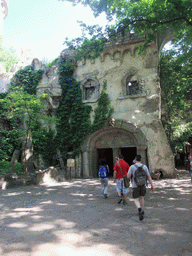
(139, 192)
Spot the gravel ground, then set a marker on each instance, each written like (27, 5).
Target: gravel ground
(72, 218)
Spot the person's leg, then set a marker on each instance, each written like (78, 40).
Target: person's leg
(105, 187)
(125, 193)
(135, 195)
(141, 200)
(102, 186)
(138, 202)
(118, 189)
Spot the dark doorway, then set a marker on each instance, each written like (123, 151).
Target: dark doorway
(129, 154)
(107, 155)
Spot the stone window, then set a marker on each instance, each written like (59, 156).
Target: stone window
(90, 88)
(133, 85)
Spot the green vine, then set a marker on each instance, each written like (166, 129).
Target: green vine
(27, 78)
(104, 110)
(73, 116)
(11, 136)
(74, 122)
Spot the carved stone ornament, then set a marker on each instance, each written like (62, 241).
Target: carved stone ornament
(90, 89)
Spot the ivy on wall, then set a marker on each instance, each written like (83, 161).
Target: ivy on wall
(103, 111)
(27, 78)
(74, 122)
(20, 97)
(73, 116)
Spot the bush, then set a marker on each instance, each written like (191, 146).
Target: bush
(19, 169)
(4, 168)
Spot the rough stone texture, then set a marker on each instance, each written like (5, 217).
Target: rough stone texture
(49, 84)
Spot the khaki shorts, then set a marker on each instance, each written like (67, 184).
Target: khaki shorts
(140, 191)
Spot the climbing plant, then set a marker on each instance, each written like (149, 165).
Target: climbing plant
(74, 121)
(103, 111)
(73, 116)
(27, 78)
(21, 103)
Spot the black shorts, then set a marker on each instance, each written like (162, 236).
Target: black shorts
(140, 191)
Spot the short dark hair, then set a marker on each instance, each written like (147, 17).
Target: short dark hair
(121, 156)
(138, 158)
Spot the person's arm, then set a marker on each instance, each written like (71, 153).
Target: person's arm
(114, 176)
(129, 175)
(150, 181)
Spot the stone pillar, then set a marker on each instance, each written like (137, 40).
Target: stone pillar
(142, 151)
(115, 154)
(85, 165)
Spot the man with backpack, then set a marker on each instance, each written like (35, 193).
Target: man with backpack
(103, 172)
(139, 174)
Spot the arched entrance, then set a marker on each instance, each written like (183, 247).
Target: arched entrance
(117, 136)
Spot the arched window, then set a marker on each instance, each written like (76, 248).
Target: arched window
(133, 85)
(90, 89)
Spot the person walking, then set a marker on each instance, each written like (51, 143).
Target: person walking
(122, 191)
(103, 173)
(139, 174)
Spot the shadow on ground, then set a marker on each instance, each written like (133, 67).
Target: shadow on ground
(73, 218)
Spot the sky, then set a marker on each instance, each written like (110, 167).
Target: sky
(43, 25)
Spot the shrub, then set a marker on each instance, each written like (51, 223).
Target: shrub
(4, 168)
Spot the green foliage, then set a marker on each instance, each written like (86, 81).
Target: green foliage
(176, 84)
(73, 117)
(27, 78)
(43, 143)
(9, 140)
(49, 65)
(21, 106)
(87, 48)
(8, 57)
(4, 168)
(148, 17)
(104, 110)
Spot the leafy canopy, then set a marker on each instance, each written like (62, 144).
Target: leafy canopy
(148, 17)
(176, 85)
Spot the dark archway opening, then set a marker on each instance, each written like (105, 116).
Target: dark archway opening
(107, 155)
(129, 154)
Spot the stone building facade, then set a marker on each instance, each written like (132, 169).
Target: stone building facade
(133, 86)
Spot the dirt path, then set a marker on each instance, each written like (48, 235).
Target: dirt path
(71, 218)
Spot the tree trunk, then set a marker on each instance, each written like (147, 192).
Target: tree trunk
(27, 155)
(14, 160)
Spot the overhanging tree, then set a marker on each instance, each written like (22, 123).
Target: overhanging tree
(148, 17)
